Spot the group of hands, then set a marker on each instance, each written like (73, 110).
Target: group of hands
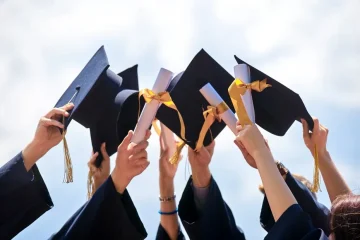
(132, 159)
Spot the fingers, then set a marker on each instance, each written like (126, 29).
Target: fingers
(92, 160)
(239, 128)
(142, 163)
(57, 111)
(139, 147)
(211, 146)
(138, 155)
(305, 129)
(47, 122)
(316, 126)
(68, 106)
(147, 134)
(126, 141)
(104, 152)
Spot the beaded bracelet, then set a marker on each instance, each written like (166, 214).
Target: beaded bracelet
(168, 213)
(167, 199)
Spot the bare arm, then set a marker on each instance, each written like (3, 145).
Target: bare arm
(334, 182)
(278, 193)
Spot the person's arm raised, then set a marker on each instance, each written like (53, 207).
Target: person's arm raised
(334, 182)
(278, 193)
(47, 135)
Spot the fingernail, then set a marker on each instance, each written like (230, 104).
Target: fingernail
(66, 114)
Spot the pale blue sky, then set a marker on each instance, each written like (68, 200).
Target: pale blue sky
(310, 46)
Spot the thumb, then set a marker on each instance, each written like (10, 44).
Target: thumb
(305, 129)
(126, 141)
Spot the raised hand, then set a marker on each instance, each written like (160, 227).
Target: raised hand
(131, 160)
(251, 140)
(248, 158)
(99, 174)
(47, 135)
(318, 137)
(199, 161)
(166, 169)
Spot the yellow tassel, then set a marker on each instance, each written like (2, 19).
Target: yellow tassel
(68, 175)
(90, 183)
(316, 181)
(176, 157)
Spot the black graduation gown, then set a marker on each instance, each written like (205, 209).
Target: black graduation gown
(107, 215)
(295, 224)
(216, 220)
(319, 214)
(24, 197)
(162, 234)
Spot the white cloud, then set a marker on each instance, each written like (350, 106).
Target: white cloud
(312, 47)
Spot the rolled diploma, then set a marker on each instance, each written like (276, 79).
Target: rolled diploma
(169, 139)
(242, 72)
(215, 99)
(149, 111)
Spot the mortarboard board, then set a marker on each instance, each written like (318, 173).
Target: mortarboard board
(277, 107)
(184, 91)
(100, 96)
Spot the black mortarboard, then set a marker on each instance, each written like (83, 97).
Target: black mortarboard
(184, 91)
(100, 96)
(277, 107)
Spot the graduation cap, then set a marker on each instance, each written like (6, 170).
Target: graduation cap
(184, 91)
(277, 108)
(103, 101)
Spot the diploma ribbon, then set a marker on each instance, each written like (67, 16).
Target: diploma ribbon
(164, 98)
(239, 88)
(211, 114)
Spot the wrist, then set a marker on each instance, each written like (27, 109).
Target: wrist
(324, 157)
(262, 154)
(31, 154)
(201, 177)
(120, 181)
(166, 188)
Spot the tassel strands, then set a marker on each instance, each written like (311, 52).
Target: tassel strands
(68, 174)
(90, 184)
(316, 179)
(177, 155)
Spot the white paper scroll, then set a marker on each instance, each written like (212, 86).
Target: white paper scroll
(149, 111)
(169, 139)
(242, 72)
(215, 99)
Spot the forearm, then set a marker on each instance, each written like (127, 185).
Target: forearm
(334, 182)
(32, 153)
(168, 222)
(201, 177)
(120, 182)
(279, 195)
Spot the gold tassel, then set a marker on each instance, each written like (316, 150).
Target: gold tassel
(316, 181)
(176, 157)
(68, 175)
(90, 183)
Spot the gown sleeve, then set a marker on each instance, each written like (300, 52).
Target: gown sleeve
(214, 221)
(24, 197)
(294, 224)
(107, 215)
(319, 214)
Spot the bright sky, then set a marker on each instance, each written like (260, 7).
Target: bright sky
(310, 46)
